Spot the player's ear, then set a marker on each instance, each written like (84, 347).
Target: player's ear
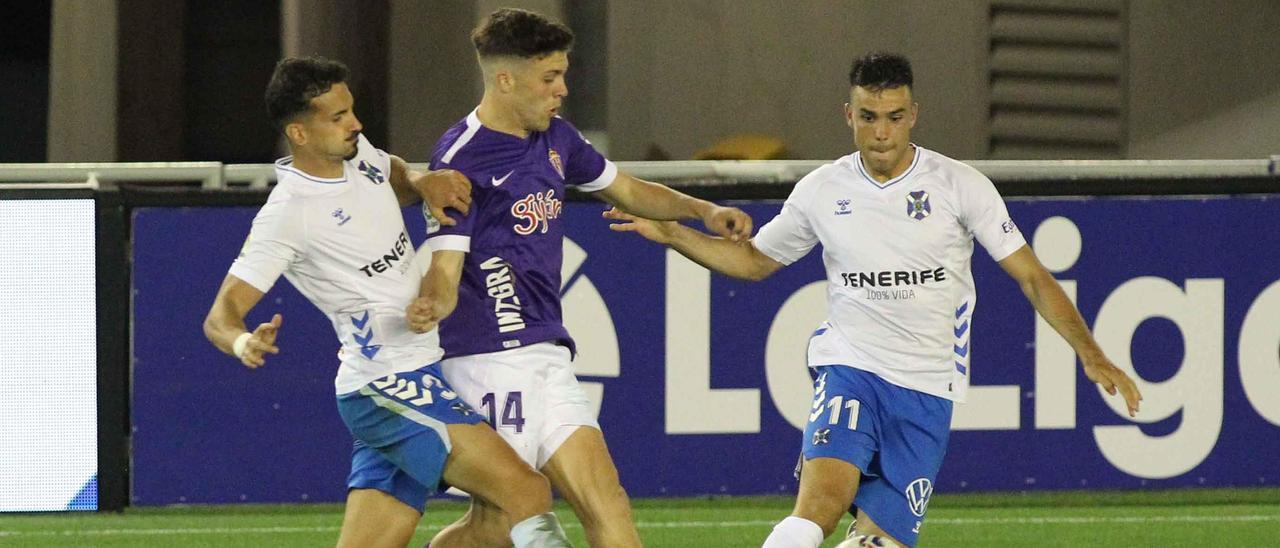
(505, 79)
(295, 133)
(915, 113)
(848, 114)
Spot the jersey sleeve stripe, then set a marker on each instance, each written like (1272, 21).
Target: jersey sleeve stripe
(604, 180)
(449, 242)
(473, 125)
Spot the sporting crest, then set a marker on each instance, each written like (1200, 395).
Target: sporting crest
(554, 157)
(918, 205)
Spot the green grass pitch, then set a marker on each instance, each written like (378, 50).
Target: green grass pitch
(1194, 517)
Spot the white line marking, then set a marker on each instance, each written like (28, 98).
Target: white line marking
(1051, 520)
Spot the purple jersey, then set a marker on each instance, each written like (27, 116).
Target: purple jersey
(509, 295)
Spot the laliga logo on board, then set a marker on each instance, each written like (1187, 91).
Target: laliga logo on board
(588, 320)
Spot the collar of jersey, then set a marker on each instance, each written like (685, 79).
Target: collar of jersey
(283, 164)
(473, 120)
(857, 160)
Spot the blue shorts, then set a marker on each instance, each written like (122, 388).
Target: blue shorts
(401, 441)
(894, 435)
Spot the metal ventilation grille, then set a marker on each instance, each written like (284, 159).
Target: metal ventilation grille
(1057, 79)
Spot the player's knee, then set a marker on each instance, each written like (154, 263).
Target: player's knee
(529, 494)
(824, 511)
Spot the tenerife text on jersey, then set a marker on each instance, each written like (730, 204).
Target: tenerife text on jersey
(890, 278)
(397, 253)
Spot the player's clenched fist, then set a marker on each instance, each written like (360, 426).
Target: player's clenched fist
(422, 315)
(729, 222)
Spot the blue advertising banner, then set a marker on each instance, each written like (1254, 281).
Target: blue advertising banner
(701, 381)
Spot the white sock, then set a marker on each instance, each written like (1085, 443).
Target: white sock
(794, 532)
(540, 531)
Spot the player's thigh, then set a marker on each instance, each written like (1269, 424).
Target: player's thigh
(841, 441)
(485, 466)
(827, 488)
(376, 519)
(582, 471)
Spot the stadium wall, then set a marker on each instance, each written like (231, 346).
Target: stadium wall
(701, 380)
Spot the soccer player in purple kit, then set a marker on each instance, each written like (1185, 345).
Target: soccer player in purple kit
(495, 275)
(327, 227)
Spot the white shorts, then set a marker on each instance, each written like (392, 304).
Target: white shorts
(530, 396)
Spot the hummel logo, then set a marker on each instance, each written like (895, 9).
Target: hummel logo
(499, 180)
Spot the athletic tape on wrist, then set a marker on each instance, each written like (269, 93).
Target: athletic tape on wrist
(242, 341)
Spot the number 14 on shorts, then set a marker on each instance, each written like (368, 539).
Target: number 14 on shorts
(512, 411)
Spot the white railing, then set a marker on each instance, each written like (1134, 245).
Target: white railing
(216, 175)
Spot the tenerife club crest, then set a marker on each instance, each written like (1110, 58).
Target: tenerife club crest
(554, 157)
(372, 172)
(918, 205)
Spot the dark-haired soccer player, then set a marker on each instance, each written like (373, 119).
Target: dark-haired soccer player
(897, 223)
(333, 227)
(507, 351)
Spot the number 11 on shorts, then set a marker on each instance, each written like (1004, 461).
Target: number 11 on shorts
(836, 409)
(512, 410)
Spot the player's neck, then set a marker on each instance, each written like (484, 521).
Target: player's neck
(316, 166)
(497, 117)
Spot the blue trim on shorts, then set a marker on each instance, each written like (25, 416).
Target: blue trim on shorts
(399, 423)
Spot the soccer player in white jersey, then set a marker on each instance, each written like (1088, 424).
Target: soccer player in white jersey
(507, 351)
(333, 227)
(897, 223)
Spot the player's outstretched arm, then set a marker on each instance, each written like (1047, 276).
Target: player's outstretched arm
(440, 189)
(438, 295)
(224, 324)
(737, 259)
(1044, 293)
(655, 201)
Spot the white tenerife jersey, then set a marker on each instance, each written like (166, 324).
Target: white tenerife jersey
(900, 294)
(342, 242)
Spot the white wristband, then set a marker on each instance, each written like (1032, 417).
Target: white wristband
(242, 341)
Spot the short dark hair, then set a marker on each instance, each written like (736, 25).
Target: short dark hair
(295, 82)
(511, 32)
(880, 70)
